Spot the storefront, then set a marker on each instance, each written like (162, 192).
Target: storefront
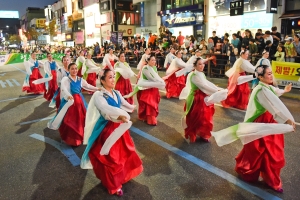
(188, 20)
(144, 31)
(79, 38)
(290, 23)
(232, 24)
(91, 23)
(254, 17)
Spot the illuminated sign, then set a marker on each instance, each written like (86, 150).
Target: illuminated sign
(40, 23)
(9, 14)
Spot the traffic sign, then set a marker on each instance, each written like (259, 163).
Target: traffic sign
(236, 8)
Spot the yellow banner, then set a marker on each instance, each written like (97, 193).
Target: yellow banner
(40, 23)
(70, 21)
(286, 73)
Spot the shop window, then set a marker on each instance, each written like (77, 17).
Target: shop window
(128, 18)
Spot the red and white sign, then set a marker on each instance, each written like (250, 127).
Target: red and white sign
(127, 30)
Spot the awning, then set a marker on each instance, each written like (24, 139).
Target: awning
(290, 15)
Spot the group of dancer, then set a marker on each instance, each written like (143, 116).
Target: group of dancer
(103, 125)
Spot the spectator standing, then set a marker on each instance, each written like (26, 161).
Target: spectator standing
(235, 41)
(267, 36)
(180, 39)
(280, 54)
(214, 38)
(225, 47)
(296, 44)
(187, 42)
(289, 50)
(260, 42)
(247, 38)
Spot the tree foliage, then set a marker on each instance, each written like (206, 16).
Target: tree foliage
(32, 34)
(14, 39)
(51, 28)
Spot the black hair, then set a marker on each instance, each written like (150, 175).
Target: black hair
(258, 72)
(176, 52)
(268, 32)
(70, 65)
(252, 40)
(121, 52)
(63, 58)
(268, 42)
(48, 54)
(102, 77)
(195, 63)
(149, 58)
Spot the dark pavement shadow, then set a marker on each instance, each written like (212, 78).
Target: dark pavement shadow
(54, 176)
(39, 112)
(18, 102)
(132, 191)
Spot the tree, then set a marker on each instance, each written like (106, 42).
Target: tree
(14, 39)
(51, 28)
(32, 34)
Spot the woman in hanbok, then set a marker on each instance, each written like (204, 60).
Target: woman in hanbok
(91, 69)
(193, 58)
(70, 120)
(50, 68)
(169, 58)
(79, 62)
(175, 82)
(261, 133)
(262, 61)
(239, 92)
(109, 60)
(61, 72)
(110, 151)
(123, 75)
(144, 58)
(33, 73)
(200, 95)
(147, 92)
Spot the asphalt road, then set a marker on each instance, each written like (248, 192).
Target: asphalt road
(173, 168)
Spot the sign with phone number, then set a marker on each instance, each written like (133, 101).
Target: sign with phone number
(286, 73)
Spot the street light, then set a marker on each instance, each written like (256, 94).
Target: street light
(7, 26)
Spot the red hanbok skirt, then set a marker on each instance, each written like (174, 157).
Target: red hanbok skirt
(174, 85)
(263, 157)
(239, 98)
(112, 64)
(120, 165)
(148, 105)
(72, 127)
(124, 86)
(33, 88)
(52, 87)
(199, 120)
(91, 79)
(79, 74)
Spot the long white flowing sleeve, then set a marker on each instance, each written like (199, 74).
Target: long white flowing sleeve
(154, 80)
(185, 67)
(65, 88)
(247, 66)
(125, 71)
(87, 86)
(47, 67)
(274, 105)
(215, 94)
(204, 85)
(142, 61)
(107, 63)
(28, 66)
(92, 67)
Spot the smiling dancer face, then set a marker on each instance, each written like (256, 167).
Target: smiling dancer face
(122, 57)
(199, 66)
(108, 79)
(65, 61)
(265, 74)
(73, 70)
(151, 61)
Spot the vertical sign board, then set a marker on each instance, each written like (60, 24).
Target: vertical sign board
(142, 14)
(236, 8)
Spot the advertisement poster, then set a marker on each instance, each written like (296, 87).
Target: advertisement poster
(286, 73)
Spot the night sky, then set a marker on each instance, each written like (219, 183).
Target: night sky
(21, 5)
